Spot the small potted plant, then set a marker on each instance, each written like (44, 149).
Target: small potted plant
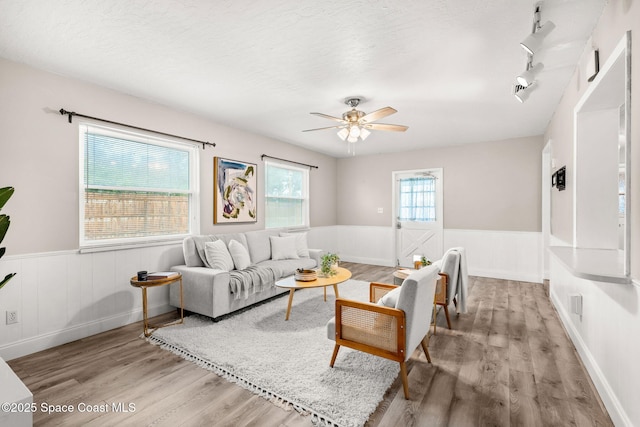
(328, 264)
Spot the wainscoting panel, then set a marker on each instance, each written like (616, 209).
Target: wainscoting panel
(605, 336)
(64, 296)
(511, 255)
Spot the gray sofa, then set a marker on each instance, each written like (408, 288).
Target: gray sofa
(213, 291)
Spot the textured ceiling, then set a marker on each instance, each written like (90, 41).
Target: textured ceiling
(447, 66)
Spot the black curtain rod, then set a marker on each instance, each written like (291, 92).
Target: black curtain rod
(290, 161)
(73, 113)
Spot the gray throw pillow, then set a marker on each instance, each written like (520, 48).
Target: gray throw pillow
(218, 255)
(283, 248)
(240, 255)
(301, 243)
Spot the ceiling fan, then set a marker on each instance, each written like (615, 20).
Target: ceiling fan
(356, 124)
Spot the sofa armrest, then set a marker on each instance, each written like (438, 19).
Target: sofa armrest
(198, 274)
(199, 284)
(316, 254)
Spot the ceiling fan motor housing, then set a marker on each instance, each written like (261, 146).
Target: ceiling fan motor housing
(353, 115)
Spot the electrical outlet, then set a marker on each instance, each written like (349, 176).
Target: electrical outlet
(12, 317)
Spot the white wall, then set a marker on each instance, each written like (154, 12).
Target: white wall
(606, 337)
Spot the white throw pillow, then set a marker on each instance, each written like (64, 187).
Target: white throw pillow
(218, 255)
(240, 255)
(390, 299)
(301, 243)
(283, 248)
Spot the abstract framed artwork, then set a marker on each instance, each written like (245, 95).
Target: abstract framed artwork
(234, 187)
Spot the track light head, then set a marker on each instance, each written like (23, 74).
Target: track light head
(533, 42)
(527, 77)
(523, 94)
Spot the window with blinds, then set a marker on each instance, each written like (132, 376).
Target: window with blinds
(417, 199)
(134, 187)
(286, 196)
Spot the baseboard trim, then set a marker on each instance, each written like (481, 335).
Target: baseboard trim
(52, 339)
(505, 275)
(365, 260)
(611, 402)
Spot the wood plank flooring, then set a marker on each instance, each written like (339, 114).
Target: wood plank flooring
(507, 362)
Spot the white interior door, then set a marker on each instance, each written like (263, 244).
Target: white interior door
(418, 215)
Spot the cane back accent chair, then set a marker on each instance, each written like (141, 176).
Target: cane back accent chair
(391, 328)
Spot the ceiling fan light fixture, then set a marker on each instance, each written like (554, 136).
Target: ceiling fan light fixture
(343, 133)
(352, 139)
(527, 77)
(354, 131)
(364, 133)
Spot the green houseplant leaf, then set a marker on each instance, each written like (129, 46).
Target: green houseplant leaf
(4, 225)
(6, 279)
(5, 194)
(5, 221)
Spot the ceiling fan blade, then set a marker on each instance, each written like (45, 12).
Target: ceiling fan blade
(330, 127)
(381, 126)
(326, 116)
(378, 114)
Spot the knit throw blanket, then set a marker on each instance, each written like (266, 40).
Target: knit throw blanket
(253, 279)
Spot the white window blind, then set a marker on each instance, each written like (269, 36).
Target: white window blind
(286, 196)
(418, 199)
(134, 187)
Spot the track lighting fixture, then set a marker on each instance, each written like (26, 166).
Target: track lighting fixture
(523, 93)
(527, 77)
(526, 80)
(533, 42)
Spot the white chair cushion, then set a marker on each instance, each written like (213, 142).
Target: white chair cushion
(390, 299)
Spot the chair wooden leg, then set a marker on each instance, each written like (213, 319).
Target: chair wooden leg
(435, 314)
(405, 380)
(446, 313)
(425, 348)
(335, 354)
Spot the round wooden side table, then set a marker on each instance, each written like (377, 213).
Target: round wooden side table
(144, 284)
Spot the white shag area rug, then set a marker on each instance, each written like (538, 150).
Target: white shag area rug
(287, 362)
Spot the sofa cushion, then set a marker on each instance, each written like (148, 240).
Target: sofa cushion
(239, 254)
(259, 244)
(218, 255)
(283, 248)
(301, 243)
(288, 267)
(190, 253)
(199, 244)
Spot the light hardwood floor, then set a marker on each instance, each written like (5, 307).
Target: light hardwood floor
(507, 362)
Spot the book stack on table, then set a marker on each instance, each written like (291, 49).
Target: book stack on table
(161, 275)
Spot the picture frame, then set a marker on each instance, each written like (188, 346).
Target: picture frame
(234, 191)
